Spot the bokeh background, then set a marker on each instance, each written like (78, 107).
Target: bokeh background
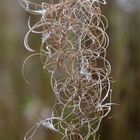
(22, 105)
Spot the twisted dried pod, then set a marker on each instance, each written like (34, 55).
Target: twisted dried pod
(73, 50)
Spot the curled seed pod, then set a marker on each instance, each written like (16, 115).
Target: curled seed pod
(73, 51)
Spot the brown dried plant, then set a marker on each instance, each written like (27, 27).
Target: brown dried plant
(73, 51)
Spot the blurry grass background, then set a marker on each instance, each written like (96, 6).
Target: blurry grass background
(21, 105)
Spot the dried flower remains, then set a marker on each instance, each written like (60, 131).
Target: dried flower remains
(73, 51)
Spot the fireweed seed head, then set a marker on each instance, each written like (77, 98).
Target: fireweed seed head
(73, 51)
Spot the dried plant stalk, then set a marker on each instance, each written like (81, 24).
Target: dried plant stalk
(73, 50)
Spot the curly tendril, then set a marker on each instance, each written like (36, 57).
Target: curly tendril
(73, 51)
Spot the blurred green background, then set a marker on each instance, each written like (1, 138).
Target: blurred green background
(21, 105)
